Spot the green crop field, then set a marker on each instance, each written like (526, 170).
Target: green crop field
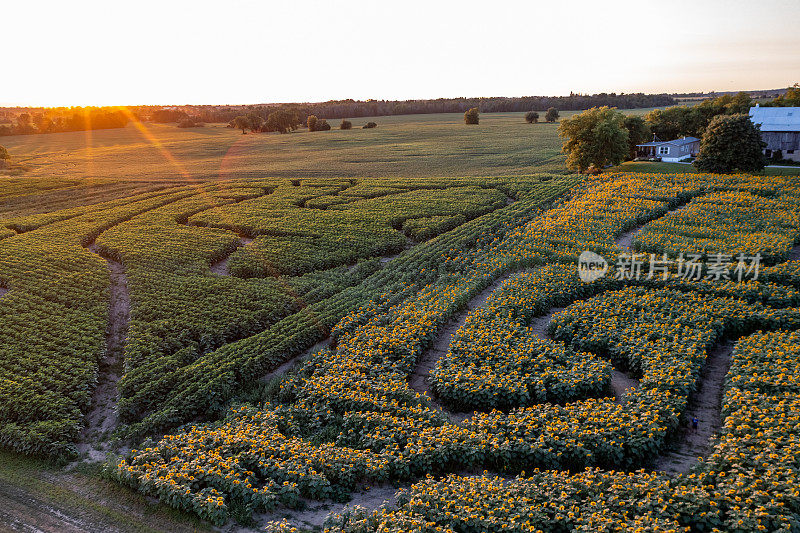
(401, 146)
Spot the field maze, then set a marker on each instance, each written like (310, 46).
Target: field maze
(263, 351)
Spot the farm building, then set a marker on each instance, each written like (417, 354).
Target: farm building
(671, 151)
(780, 129)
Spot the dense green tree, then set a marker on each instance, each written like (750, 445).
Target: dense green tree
(282, 120)
(531, 117)
(731, 142)
(638, 133)
(369, 125)
(551, 115)
(241, 123)
(311, 122)
(346, 125)
(594, 139)
(256, 121)
(671, 123)
(323, 125)
(472, 116)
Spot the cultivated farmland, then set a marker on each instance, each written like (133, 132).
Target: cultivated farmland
(401, 146)
(252, 349)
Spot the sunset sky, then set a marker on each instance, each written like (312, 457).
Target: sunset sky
(234, 52)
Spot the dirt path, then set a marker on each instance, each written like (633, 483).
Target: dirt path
(706, 405)
(625, 241)
(540, 324)
(418, 379)
(794, 255)
(288, 365)
(20, 511)
(621, 382)
(220, 268)
(103, 415)
(315, 512)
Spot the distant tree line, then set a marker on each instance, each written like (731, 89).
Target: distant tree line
(348, 109)
(59, 120)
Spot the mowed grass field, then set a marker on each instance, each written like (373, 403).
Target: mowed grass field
(502, 144)
(670, 168)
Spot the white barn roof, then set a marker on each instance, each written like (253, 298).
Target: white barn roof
(776, 118)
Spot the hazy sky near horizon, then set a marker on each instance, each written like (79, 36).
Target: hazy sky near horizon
(87, 52)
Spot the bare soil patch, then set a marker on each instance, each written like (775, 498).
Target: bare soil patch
(621, 383)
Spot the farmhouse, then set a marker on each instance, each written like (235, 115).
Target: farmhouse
(671, 151)
(780, 129)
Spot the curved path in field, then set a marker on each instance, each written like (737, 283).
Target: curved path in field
(220, 268)
(103, 415)
(294, 361)
(706, 405)
(706, 402)
(418, 379)
(625, 240)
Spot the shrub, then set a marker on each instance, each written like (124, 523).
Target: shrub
(311, 122)
(369, 125)
(189, 122)
(346, 125)
(531, 117)
(4, 153)
(323, 125)
(471, 116)
(551, 115)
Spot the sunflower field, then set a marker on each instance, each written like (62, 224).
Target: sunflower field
(521, 424)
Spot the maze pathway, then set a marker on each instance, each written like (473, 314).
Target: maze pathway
(103, 414)
(706, 405)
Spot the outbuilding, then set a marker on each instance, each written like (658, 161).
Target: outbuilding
(780, 129)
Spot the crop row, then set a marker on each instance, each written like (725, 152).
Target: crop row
(175, 384)
(731, 222)
(52, 325)
(750, 482)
